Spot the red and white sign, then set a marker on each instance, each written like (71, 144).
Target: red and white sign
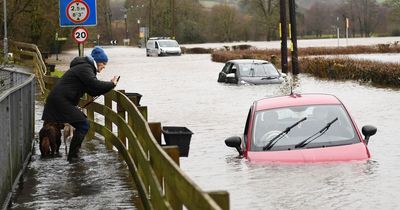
(77, 11)
(80, 34)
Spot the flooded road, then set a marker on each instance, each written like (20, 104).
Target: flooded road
(100, 182)
(183, 91)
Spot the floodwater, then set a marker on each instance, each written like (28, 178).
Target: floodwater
(332, 42)
(100, 182)
(183, 91)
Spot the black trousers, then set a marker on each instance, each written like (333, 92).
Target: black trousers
(81, 129)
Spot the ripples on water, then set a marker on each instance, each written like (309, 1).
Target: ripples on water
(183, 91)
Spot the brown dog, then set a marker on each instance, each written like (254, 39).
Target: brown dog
(50, 139)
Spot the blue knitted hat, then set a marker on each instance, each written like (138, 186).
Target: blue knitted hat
(99, 55)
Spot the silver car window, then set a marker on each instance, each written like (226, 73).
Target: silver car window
(168, 43)
(258, 70)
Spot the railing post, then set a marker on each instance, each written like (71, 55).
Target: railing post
(173, 152)
(143, 111)
(155, 128)
(90, 116)
(121, 112)
(130, 146)
(134, 99)
(107, 121)
(221, 198)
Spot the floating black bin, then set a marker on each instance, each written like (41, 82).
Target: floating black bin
(134, 95)
(179, 136)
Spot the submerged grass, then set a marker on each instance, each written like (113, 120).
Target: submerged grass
(225, 55)
(377, 73)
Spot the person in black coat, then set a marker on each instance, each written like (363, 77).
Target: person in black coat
(62, 102)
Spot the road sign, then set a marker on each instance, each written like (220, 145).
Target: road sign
(80, 34)
(78, 13)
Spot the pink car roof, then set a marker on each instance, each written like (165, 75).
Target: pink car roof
(295, 100)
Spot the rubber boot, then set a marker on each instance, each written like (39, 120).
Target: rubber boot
(74, 147)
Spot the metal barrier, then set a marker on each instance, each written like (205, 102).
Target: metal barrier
(17, 109)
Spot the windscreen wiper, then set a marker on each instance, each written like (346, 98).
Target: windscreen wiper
(315, 135)
(273, 141)
(269, 77)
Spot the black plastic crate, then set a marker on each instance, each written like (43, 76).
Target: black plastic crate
(179, 136)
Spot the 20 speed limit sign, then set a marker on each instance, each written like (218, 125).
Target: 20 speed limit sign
(77, 11)
(80, 34)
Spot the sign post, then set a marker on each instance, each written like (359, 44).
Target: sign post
(78, 13)
(80, 35)
(58, 39)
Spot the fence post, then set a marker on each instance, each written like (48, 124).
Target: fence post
(143, 111)
(90, 116)
(107, 121)
(173, 152)
(221, 198)
(155, 128)
(121, 112)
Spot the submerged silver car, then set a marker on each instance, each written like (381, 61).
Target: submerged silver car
(249, 71)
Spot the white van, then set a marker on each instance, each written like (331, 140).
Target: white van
(159, 46)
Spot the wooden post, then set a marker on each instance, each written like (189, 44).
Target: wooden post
(155, 128)
(221, 198)
(107, 121)
(121, 112)
(283, 35)
(134, 99)
(143, 111)
(173, 152)
(90, 116)
(130, 146)
(293, 37)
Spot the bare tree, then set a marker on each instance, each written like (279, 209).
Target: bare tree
(318, 19)
(366, 14)
(223, 19)
(266, 12)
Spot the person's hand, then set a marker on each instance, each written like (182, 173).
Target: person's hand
(115, 80)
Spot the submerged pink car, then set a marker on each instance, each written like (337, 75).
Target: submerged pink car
(301, 129)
